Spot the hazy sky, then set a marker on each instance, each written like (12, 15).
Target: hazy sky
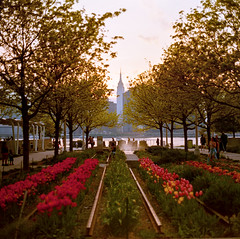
(146, 27)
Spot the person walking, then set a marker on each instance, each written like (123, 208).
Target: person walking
(92, 142)
(157, 141)
(113, 147)
(224, 141)
(212, 151)
(11, 157)
(4, 154)
(203, 141)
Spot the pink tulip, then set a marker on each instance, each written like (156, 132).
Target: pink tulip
(70, 188)
(14, 192)
(171, 183)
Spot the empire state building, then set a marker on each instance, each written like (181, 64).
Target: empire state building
(120, 102)
(120, 96)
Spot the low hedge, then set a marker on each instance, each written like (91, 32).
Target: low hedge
(160, 155)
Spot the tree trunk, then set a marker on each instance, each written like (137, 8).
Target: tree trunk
(57, 129)
(208, 134)
(209, 127)
(171, 132)
(25, 140)
(161, 134)
(70, 126)
(185, 135)
(87, 134)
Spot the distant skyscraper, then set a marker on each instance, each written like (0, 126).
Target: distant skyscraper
(120, 103)
(120, 92)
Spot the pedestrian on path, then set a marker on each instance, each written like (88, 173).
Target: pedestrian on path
(4, 153)
(212, 151)
(11, 157)
(203, 141)
(91, 141)
(113, 147)
(224, 141)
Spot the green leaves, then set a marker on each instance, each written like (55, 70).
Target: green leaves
(122, 198)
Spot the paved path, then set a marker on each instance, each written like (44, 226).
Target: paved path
(33, 157)
(130, 156)
(227, 155)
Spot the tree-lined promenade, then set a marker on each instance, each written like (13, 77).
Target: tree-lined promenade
(53, 69)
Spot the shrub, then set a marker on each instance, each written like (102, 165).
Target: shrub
(161, 155)
(187, 172)
(203, 182)
(223, 195)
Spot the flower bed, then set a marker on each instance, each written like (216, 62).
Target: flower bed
(13, 192)
(188, 216)
(66, 193)
(217, 170)
(228, 164)
(180, 188)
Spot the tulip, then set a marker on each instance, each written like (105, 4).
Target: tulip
(171, 183)
(64, 194)
(14, 192)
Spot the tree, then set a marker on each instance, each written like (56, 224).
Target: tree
(22, 24)
(177, 71)
(146, 106)
(82, 44)
(212, 36)
(82, 98)
(228, 121)
(42, 42)
(162, 79)
(96, 115)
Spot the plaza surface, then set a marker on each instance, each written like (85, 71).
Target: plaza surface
(33, 157)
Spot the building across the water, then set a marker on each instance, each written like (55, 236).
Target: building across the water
(122, 98)
(120, 103)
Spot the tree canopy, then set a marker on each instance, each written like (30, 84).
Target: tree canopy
(42, 43)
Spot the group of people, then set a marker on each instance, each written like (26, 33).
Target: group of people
(215, 145)
(6, 155)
